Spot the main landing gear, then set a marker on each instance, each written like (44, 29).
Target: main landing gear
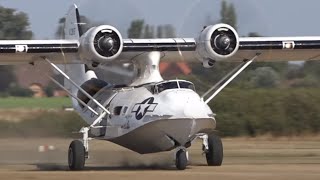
(212, 148)
(76, 155)
(78, 151)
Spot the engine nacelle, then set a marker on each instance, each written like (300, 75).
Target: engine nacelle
(217, 43)
(101, 44)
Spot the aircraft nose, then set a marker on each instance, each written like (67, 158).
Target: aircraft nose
(194, 107)
(186, 105)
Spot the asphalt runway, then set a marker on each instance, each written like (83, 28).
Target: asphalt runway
(293, 159)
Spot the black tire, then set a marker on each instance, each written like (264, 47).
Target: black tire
(76, 156)
(215, 154)
(181, 160)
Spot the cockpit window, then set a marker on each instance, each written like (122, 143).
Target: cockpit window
(167, 85)
(173, 85)
(186, 85)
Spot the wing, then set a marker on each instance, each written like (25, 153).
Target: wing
(67, 51)
(269, 48)
(221, 42)
(280, 48)
(29, 51)
(172, 48)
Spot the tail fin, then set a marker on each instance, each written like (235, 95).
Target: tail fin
(73, 24)
(77, 72)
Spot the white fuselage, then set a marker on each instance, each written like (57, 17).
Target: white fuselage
(156, 103)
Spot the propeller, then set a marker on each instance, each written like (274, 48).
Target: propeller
(223, 41)
(107, 43)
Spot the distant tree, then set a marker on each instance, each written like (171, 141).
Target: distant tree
(148, 31)
(311, 70)
(224, 11)
(17, 91)
(166, 31)
(13, 25)
(136, 29)
(295, 72)
(169, 31)
(228, 14)
(160, 33)
(254, 34)
(312, 67)
(265, 77)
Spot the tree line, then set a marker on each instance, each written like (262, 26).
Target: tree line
(139, 29)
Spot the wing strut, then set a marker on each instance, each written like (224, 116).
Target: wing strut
(76, 85)
(85, 130)
(79, 100)
(100, 116)
(227, 79)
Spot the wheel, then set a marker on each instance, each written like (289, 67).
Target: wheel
(181, 160)
(76, 156)
(215, 153)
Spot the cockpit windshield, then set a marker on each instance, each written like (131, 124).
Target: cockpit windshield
(186, 85)
(174, 85)
(167, 85)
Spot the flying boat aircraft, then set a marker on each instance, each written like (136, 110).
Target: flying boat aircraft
(151, 114)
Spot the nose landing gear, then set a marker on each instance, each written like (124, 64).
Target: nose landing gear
(182, 158)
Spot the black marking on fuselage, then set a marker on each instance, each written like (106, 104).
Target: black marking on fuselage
(141, 109)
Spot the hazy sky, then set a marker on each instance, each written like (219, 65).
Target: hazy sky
(268, 17)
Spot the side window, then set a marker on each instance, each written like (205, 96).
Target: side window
(161, 88)
(117, 110)
(124, 110)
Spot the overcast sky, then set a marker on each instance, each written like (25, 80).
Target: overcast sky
(268, 17)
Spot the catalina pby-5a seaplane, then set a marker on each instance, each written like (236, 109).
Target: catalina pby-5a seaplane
(149, 115)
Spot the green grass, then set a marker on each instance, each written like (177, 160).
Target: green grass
(32, 103)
